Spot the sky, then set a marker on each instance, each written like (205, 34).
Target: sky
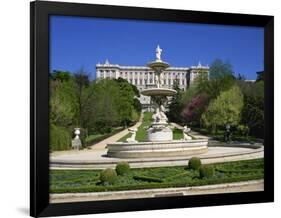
(82, 42)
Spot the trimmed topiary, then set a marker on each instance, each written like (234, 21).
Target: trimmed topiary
(194, 163)
(108, 176)
(206, 171)
(122, 168)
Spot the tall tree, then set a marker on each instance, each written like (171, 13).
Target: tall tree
(126, 100)
(82, 84)
(253, 110)
(226, 108)
(63, 102)
(221, 78)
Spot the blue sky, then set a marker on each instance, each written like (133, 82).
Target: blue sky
(77, 42)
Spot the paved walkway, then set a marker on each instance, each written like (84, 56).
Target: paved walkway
(102, 144)
(193, 133)
(247, 186)
(97, 159)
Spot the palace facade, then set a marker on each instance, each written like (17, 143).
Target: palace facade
(143, 76)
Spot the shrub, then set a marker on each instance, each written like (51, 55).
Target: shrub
(194, 163)
(122, 168)
(243, 130)
(206, 171)
(60, 138)
(108, 176)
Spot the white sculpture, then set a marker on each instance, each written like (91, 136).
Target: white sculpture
(77, 133)
(156, 117)
(158, 53)
(159, 117)
(162, 113)
(185, 132)
(133, 136)
(76, 142)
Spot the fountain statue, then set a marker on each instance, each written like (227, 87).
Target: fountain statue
(159, 130)
(133, 131)
(159, 141)
(185, 132)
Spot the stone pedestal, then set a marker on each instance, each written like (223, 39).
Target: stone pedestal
(163, 134)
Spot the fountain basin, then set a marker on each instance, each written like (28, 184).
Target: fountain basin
(173, 148)
(159, 92)
(158, 65)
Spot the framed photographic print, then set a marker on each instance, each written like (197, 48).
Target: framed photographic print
(142, 109)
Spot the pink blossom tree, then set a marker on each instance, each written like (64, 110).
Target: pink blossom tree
(193, 110)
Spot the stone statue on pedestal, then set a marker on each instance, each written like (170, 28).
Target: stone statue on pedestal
(185, 132)
(133, 136)
(76, 142)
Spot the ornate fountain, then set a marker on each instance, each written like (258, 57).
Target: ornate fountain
(159, 130)
(159, 141)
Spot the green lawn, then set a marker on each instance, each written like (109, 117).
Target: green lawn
(177, 134)
(65, 181)
(141, 133)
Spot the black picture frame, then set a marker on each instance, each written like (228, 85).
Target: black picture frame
(39, 107)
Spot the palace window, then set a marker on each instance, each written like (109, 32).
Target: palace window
(136, 81)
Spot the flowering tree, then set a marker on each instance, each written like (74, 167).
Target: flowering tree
(193, 110)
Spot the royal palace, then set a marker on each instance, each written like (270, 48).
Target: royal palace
(143, 77)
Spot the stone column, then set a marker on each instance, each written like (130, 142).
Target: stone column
(117, 74)
(133, 78)
(97, 74)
